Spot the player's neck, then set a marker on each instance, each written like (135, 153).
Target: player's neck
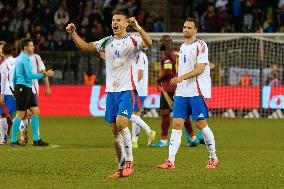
(120, 36)
(6, 57)
(189, 40)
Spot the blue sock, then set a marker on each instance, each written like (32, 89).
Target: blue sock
(35, 126)
(15, 129)
(200, 136)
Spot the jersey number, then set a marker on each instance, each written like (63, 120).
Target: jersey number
(117, 53)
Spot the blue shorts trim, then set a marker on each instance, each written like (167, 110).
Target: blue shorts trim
(185, 106)
(118, 103)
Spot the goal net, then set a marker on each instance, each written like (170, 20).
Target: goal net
(247, 81)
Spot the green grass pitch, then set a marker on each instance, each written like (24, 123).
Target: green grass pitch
(251, 153)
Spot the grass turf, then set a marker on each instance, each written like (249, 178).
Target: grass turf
(251, 153)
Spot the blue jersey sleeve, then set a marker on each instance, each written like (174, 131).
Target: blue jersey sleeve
(29, 72)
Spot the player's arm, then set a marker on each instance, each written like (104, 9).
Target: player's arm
(46, 83)
(146, 39)
(80, 43)
(41, 68)
(32, 75)
(200, 67)
(166, 73)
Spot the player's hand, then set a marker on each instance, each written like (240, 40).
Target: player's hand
(49, 73)
(47, 91)
(175, 80)
(70, 28)
(133, 22)
(102, 55)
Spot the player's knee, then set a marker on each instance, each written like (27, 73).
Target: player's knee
(121, 122)
(200, 124)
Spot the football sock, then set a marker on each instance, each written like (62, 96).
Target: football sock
(35, 127)
(174, 144)
(135, 132)
(166, 121)
(15, 129)
(3, 127)
(137, 119)
(209, 141)
(119, 150)
(126, 138)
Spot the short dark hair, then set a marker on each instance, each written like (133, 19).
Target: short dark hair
(8, 49)
(24, 43)
(190, 19)
(121, 12)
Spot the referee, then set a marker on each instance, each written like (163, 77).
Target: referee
(22, 80)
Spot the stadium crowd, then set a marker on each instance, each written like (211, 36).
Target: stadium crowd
(44, 20)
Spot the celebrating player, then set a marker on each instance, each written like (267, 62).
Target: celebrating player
(120, 51)
(193, 83)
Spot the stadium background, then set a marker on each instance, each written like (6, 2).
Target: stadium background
(81, 152)
(235, 54)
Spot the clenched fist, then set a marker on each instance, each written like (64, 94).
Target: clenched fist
(70, 28)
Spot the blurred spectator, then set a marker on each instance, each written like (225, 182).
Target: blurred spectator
(158, 25)
(269, 25)
(89, 77)
(245, 80)
(248, 14)
(236, 15)
(209, 20)
(61, 16)
(273, 77)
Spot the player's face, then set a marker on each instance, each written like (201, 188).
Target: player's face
(119, 24)
(189, 29)
(30, 48)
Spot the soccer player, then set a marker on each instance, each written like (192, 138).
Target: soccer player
(193, 83)
(23, 76)
(38, 67)
(169, 71)
(120, 51)
(140, 78)
(6, 98)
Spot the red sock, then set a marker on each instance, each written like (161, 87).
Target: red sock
(188, 127)
(166, 121)
(9, 122)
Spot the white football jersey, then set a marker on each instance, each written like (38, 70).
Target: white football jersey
(189, 56)
(37, 67)
(141, 63)
(7, 72)
(119, 55)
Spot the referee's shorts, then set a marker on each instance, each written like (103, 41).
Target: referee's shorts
(24, 97)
